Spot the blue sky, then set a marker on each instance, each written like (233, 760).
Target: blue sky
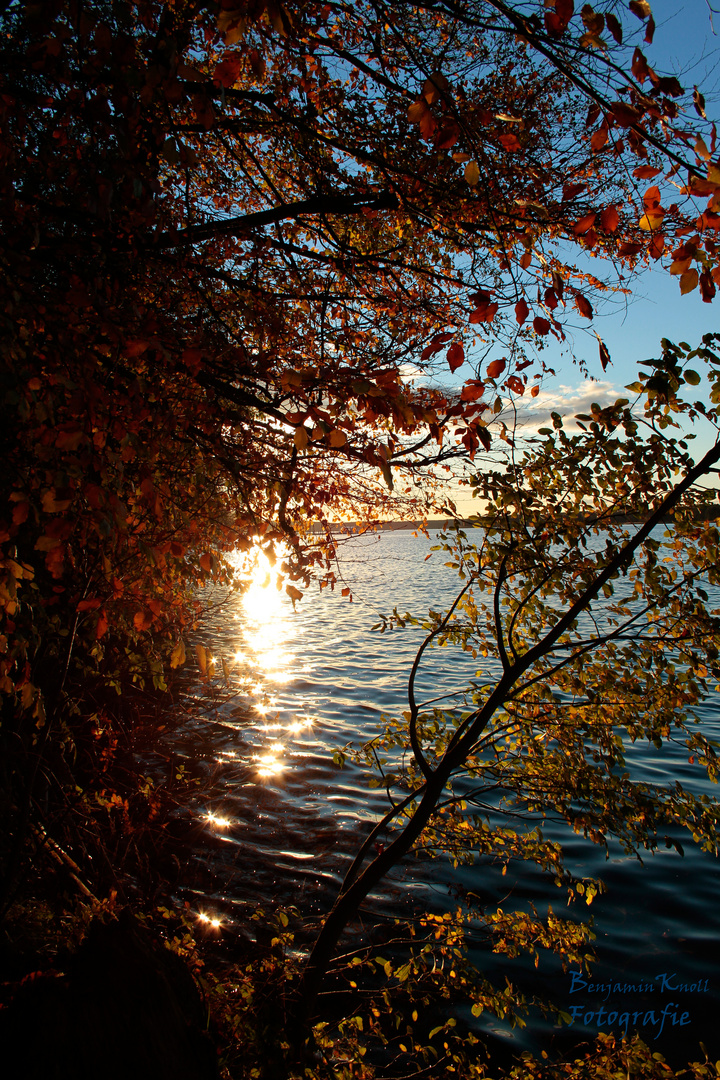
(687, 44)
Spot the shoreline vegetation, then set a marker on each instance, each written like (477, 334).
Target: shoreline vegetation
(703, 512)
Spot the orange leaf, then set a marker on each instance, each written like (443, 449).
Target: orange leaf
(688, 281)
(496, 368)
(206, 562)
(609, 218)
(534, 390)
(646, 172)
(584, 224)
(337, 438)
(89, 605)
(516, 385)
(473, 390)
(656, 246)
(142, 620)
(599, 138)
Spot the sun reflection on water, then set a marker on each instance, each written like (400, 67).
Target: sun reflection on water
(266, 629)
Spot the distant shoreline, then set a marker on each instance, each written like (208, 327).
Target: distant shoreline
(709, 513)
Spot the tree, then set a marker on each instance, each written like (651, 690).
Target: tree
(225, 232)
(585, 603)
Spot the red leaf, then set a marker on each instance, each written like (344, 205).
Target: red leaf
(629, 248)
(646, 172)
(614, 27)
(584, 224)
(625, 115)
(707, 286)
(551, 299)
(473, 390)
(516, 385)
(609, 219)
(484, 313)
(509, 142)
(584, 306)
(599, 138)
(604, 354)
(650, 30)
(227, 71)
(639, 67)
(455, 356)
(435, 346)
(656, 246)
(521, 311)
(102, 625)
(540, 325)
(496, 368)
(564, 9)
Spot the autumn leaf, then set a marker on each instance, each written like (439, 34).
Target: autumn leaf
(496, 368)
(609, 219)
(101, 625)
(89, 605)
(584, 224)
(177, 656)
(202, 658)
(521, 311)
(646, 172)
(337, 438)
(206, 562)
(293, 593)
(455, 356)
(614, 27)
(472, 173)
(604, 354)
(301, 438)
(707, 286)
(688, 281)
(584, 306)
(641, 8)
(516, 385)
(473, 390)
(540, 325)
(142, 620)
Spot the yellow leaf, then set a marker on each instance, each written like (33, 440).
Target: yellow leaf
(652, 220)
(714, 174)
(688, 281)
(472, 173)
(201, 658)
(293, 593)
(177, 656)
(226, 670)
(301, 437)
(337, 438)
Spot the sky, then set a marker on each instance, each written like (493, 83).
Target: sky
(687, 44)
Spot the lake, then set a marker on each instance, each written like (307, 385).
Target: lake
(276, 821)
